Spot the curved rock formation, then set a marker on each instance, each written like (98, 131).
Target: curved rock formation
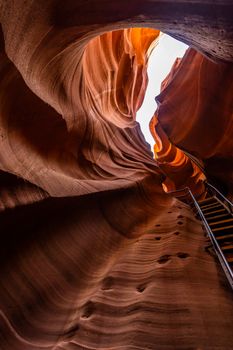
(94, 254)
(87, 150)
(180, 170)
(196, 112)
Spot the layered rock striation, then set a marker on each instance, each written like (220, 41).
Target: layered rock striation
(94, 254)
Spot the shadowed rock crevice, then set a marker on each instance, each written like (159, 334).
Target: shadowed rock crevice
(94, 254)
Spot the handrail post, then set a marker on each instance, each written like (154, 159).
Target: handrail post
(222, 259)
(216, 191)
(217, 248)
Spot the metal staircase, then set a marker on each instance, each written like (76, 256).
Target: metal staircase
(216, 213)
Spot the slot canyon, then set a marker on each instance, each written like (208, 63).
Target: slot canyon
(96, 251)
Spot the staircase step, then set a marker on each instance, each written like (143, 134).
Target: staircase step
(230, 259)
(217, 205)
(203, 207)
(228, 237)
(217, 217)
(206, 200)
(227, 248)
(221, 222)
(216, 211)
(222, 228)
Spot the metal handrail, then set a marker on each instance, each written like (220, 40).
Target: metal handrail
(219, 253)
(181, 189)
(218, 250)
(196, 161)
(221, 195)
(185, 189)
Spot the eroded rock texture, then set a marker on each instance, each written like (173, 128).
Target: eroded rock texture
(181, 172)
(200, 119)
(94, 254)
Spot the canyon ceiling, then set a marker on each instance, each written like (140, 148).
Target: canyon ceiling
(94, 254)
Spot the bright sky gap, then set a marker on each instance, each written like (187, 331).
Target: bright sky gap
(159, 65)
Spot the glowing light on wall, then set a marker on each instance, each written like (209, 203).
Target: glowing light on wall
(160, 64)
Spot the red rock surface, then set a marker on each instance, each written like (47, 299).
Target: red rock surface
(181, 172)
(94, 255)
(196, 112)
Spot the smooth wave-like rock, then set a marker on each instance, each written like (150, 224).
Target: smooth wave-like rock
(181, 172)
(72, 279)
(196, 113)
(94, 254)
(95, 154)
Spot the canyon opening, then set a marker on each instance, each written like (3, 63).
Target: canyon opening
(94, 253)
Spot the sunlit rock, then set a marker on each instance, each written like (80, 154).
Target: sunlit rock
(94, 254)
